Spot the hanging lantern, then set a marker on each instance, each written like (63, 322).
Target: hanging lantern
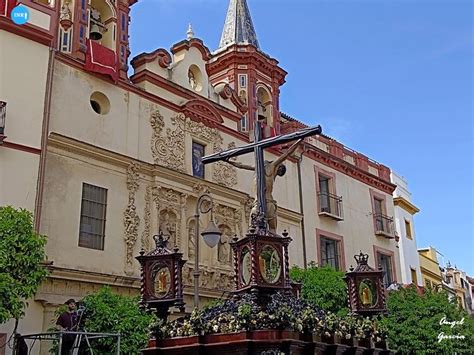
(365, 288)
(161, 278)
(261, 263)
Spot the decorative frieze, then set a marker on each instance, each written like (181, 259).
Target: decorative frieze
(131, 219)
(168, 147)
(146, 234)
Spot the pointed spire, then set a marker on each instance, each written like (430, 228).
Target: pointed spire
(190, 32)
(238, 27)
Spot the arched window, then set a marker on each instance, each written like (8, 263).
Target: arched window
(264, 106)
(103, 23)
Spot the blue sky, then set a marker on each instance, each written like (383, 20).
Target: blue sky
(392, 79)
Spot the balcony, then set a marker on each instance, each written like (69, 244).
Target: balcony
(383, 225)
(330, 205)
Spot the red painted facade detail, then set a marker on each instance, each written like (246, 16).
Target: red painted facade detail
(202, 111)
(21, 147)
(162, 55)
(337, 163)
(193, 43)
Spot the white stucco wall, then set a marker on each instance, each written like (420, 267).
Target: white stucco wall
(409, 257)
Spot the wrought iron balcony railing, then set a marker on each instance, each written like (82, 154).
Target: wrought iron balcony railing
(383, 225)
(330, 205)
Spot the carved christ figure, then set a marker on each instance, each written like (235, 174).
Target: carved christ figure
(272, 170)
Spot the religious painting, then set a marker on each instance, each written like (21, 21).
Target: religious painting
(367, 293)
(198, 154)
(246, 270)
(162, 282)
(269, 263)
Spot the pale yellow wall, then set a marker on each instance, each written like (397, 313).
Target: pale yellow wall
(18, 178)
(62, 208)
(23, 71)
(30, 324)
(357, 228)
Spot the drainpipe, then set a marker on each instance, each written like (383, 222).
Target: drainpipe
(300, 190)
(44, 140)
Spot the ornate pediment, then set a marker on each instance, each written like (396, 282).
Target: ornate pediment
(202, 111)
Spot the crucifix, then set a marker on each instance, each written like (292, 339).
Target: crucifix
(260, 216)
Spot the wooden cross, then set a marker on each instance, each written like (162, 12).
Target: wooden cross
(257, 147)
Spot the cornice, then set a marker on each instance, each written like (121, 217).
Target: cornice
(234, 56)
(87, 150)
(406, 205)
(30, 32)
(161, 54)
(147, 75)
(193, 43)
(62, 273)
(202, 111)
(348, 169)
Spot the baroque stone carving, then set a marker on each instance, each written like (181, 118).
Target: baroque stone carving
(192, 239)
(168, 149)
(226, 215)
(147, 219)
(248, 205)
(171, 207)
(223, 250)
(131, 218)
(168, 226)
(168, 146)
(225, 174)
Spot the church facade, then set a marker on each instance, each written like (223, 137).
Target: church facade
(106, 160)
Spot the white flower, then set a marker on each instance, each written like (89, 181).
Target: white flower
(215, 328)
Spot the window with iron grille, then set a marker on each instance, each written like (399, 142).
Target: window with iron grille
(93, 213)
(329, 249)
(385, 261)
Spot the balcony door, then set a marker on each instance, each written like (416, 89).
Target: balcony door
(325, 202)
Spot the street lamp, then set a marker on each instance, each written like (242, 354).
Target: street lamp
(211, 236)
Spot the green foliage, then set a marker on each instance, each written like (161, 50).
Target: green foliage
(413, 323)
(107, 312)
(21, 254)
(322, 286)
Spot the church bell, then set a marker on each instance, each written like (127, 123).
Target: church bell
(95, 33)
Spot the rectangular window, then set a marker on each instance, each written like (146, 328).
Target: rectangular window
(93, 213)
(385, 262)
(244, 126)
(408, 229)
(428, 283)
(325, 202)
(198, 154)
(378, 210)
(413, 276)
(243, 81)
(329, 249)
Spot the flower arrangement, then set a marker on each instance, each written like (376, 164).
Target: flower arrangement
(281, 312)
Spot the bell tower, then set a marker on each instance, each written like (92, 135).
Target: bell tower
(96, 33)
(255, 76)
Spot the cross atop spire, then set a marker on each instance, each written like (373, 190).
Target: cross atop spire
(238, 27)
